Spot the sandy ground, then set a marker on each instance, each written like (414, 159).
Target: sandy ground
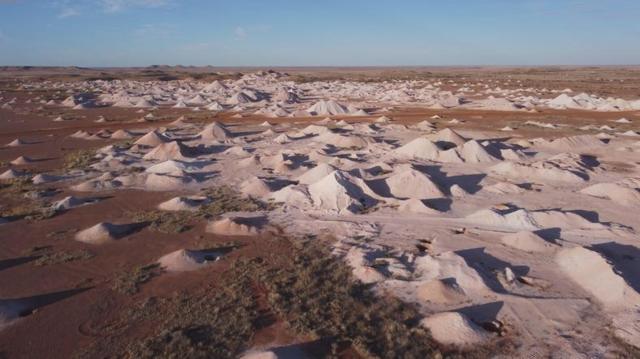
(540, 248)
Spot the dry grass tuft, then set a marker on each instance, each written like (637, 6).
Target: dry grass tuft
(80, 159)
(129, 282)
(62, 257)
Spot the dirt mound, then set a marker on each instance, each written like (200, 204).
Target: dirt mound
(315, 174)
(12, 174)
(168, 182)
(615, 192)
(409, 183)
(21, 160)
(341, 141)
(190, 204)
(447, 136)
(152, 139)
(237, 226)
(441, 291)
(576, 143)
(420, 148)
(104, 232)
(122, 135)
(173, 150)
(184, 260)
(473, 152)
(215, 131)
(455, 329)
(70, 202)
(527, 241)
(327, 108)
(255, 187)
(595, 275)
(540, 172)
(340, 192)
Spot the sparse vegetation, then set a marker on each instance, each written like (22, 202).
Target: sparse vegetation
(318, 295)
(164, 222)
(80, 159)
(62, 257)
(208, 325)
(15, 201)
(314, 292)
(129, 282)
(226, 199)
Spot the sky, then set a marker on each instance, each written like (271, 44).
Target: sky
(101, 33)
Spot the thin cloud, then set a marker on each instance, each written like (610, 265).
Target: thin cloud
(68, 12)
(112, 6)
(155, 30)
(240, 32)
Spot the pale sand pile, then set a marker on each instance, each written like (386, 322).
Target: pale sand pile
(448, 136)
(70, 202)
(416, 206)
(167, 182)
(173, 150)
(184, 260)
(576, 143)
(596, 276)
(528, 241)
(12, 174)
(104, 232)
(539, 172)
(504, 188)
(15, 143)
(237, 226)
(45, 178)
(316, 174)
(441, 291)
(122, 135)
(410, 183)
(21, 160)
(152, 139)
(473, 152)
(454, 328)
(255, 187)
(189, 204)
(617, 193)
(522, 219)
(340, 192)
(168, 166)
(215, 131)
(342, 141)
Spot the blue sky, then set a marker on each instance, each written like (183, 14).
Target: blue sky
(326, 32)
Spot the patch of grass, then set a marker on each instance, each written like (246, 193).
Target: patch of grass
(17, 185)
(225, 199)
(306, 286)
(164, 222)
(129, 282)
(318, 295)
(62, 257)
(16, 204)
(80, 159)
(202, 326)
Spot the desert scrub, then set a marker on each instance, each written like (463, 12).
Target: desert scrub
(318, 295)
(62, 257)
(217, 320)
(129, 282)
(15, 201)
(226, 199)
(164, 222)
(80, 159)
(217, 325)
